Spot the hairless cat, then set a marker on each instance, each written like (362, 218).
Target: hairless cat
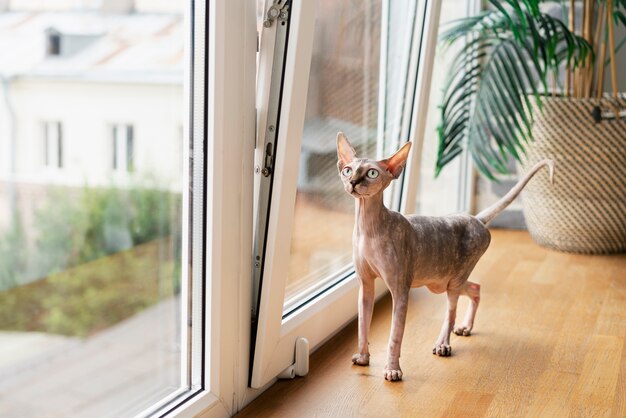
(412, 251)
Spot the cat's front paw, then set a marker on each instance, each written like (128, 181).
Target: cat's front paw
(361, 359)
(393, 375)
(463, 331)
(443, 350)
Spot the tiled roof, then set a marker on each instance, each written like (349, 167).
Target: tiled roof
(121, 47)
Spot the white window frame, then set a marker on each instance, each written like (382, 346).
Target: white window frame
(422, 95)
(226, 57)
(329, 312)
(230, 139)
(197, 348)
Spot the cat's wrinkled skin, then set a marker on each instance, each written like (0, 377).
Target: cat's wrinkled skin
(412, 251)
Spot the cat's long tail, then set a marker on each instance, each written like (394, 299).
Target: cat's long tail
(494, 210)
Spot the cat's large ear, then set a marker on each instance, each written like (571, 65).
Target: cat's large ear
(395, 164)
(345, 151)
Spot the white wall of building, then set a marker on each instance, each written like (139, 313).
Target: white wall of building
(87, 112)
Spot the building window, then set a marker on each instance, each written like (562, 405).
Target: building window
(123, 148)
(53, 145)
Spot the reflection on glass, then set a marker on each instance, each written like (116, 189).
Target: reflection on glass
(342, 96)
(90, 206)
(361, 83)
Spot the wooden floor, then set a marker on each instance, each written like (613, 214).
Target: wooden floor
(549, 340)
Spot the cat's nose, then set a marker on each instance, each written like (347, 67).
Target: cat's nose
(354, 182)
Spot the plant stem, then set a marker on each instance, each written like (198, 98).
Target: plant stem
(589, 36)
(617, 48)
(572, 27)
(612, 50)
(602, 65)
(596, 41)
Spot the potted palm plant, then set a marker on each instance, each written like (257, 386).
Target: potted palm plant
(528, 85)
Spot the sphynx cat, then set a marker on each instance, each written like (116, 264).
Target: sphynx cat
(412, 251)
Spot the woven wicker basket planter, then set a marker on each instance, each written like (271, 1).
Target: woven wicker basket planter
(585, 210)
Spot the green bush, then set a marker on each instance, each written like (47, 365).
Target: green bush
(74, 228)
(12, 254)
(92, 296)
(103, 254)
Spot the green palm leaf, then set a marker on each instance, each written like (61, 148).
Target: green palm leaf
(508, 55)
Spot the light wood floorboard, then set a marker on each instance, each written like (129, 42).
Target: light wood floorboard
(549, 340)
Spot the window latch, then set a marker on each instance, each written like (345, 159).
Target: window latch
(278, 10)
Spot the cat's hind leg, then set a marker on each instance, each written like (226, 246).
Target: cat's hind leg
(442, 346)
(471, 290)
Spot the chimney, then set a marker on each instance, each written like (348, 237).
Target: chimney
(53, 42)
(59, 44)
(117, 6)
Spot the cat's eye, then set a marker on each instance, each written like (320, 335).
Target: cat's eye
(346, 171)
(371, 173)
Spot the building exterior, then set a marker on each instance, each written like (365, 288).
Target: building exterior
(91, 94)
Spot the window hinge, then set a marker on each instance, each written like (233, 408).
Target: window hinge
(266, 138)
(279, 10)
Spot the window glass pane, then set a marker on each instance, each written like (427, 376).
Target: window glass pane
(344, 95)
(90, 262)
(53, 145)
(116, 147)
(130, 148)
(59, 146)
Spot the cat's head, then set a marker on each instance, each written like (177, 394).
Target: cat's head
(362, 177)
